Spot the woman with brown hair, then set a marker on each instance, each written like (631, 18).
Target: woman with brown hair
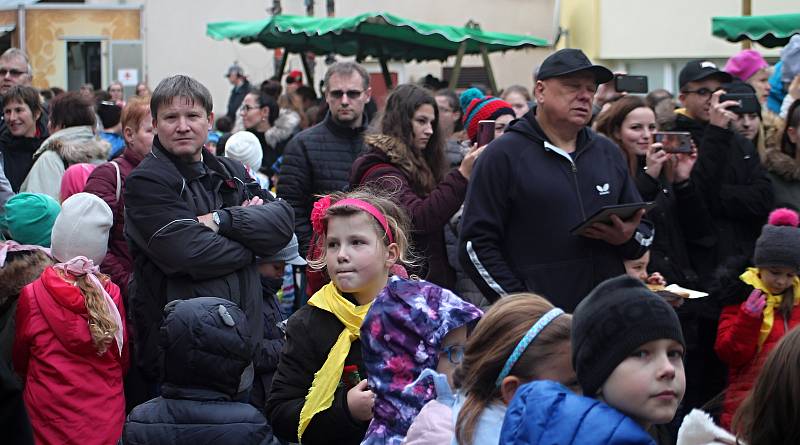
(406, 156)
(520, 339)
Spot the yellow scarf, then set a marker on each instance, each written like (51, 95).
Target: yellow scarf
(751, 277)
(320, 395)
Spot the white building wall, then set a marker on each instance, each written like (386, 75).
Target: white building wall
(176, 41)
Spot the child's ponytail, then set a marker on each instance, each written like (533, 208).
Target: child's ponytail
(495, 337)
(102, 324)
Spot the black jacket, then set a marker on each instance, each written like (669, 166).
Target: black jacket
(524, 196)
(737, 192)
(176, 257)
(237, 97)
(310, 335)
(18, 152)
(268, 351)
(202, 376)
(317, 161)
(680, 219)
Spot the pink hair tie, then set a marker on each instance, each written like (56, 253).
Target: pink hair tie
(13, 246)
(369, 208)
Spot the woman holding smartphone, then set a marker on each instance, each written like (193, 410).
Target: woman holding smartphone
(406, 156)
(663, 177)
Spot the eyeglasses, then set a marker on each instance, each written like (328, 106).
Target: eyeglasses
(351, 94)
(13, 73)
(247, 108)
(455, 354)
(702, 92)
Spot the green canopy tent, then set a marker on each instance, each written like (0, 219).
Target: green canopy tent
(380, 35)
(768, 30)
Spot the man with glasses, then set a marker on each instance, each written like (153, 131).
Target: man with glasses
(728, 173)
(14, 69)
(318, 160)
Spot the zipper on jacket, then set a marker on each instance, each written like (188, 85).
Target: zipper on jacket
(566, 156)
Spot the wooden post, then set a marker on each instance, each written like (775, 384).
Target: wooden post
(282, 67)
(746, 11)
(457, 67)
(307, 69)
(487, 64)
(387, 76)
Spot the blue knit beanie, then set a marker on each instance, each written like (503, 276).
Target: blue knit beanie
(30, 218)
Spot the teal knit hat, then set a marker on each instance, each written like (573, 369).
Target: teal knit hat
(30, 217)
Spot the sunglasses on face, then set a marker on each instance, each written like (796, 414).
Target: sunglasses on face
(13, 73)
(351, 94)
(455, 354)
(702, 92)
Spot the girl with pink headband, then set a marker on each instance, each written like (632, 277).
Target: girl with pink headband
(319, 393)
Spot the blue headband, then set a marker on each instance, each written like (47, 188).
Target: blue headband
(523, 344)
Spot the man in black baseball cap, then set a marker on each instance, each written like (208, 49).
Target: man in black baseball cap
(559, 171)
(727, 174)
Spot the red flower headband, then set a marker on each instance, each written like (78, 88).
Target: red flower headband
(321, 209)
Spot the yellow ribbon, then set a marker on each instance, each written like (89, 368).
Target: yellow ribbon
(750, 276)
(320, 395)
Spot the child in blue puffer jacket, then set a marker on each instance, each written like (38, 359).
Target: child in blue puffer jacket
(627, 349)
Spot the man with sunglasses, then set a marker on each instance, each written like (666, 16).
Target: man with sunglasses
(728, 173)
(14, 70)
(318, 160)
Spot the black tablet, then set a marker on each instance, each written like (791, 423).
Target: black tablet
(623, 211)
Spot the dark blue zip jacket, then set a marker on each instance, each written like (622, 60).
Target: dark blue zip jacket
(545, 413)
(524, 196)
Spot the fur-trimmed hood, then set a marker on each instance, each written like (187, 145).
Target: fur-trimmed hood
(781, 164)
(283, 128)
(76, 145)
(21, 269)
(405, 158)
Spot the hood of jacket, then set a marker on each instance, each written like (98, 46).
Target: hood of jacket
(395, 152)
(20, 269)
(530, 128)
(76, 145)
(547, 411)
(284, 127)
(59, 308)
(205, 343)
(781, 164)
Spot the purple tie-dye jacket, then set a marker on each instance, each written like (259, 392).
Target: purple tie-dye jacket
(401, 336)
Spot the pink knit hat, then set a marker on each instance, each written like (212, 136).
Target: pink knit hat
(746, 63)
(74, 179)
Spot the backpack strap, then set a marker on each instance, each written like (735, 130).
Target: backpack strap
(119, 180)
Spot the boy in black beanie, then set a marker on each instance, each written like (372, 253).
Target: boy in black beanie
(627, 349)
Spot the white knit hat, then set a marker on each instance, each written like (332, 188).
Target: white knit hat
(81, 229)
(244, 147)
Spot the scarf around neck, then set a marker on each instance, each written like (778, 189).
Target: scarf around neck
(768, 316)
(320, 395)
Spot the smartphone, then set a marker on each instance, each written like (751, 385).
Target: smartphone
(630, 84)
(748, 102)
(674, 141)
(485, 132)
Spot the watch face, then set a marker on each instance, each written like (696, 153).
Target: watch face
(215, 218)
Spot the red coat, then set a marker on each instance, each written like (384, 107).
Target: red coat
(737, 346)
(73, 396)
(118, 263)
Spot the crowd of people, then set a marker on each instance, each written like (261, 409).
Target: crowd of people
(319, 270)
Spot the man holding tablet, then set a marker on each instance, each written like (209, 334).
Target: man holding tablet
(546, 175)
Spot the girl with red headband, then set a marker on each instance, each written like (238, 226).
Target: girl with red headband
(319, 393)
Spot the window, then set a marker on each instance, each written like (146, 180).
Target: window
(84, 64)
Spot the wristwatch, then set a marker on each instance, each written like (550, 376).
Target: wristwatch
(215, 217)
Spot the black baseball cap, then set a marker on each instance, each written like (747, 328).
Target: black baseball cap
(570, 60)
(700, 69)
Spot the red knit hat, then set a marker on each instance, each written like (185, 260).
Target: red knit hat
(481, 108)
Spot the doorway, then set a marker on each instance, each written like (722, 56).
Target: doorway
(84, 64)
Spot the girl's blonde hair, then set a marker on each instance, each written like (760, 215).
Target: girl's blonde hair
(102, 325)
(395, 216)
(492, 342)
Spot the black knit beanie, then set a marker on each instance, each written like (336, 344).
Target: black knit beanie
(617, 317)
